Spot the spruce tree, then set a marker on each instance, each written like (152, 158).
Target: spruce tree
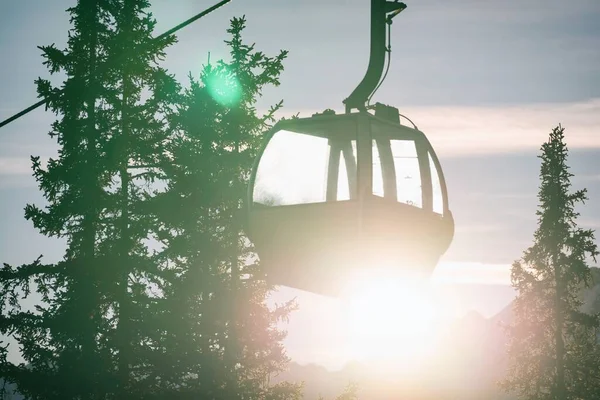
(119, 319)
(553, 347)
(138, 132)
(58, 339)
(220, 334)
(88, 339)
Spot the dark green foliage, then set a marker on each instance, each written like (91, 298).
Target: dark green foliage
(90, 330)
(554, 348)
(349, 393)
(158, 294)
(218, 328)
(58, 339)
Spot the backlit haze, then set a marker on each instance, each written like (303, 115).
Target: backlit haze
(485, 80)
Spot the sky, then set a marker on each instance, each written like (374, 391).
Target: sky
(485, 80)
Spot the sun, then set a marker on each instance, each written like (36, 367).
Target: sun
(390, 319)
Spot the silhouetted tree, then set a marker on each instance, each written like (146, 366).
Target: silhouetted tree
(553, 346)
(220, 336)
(88, 338)
(145, 97)
(349, 393)
(159, 294)
(58, 340)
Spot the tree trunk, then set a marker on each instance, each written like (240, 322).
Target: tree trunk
(234, 345)
(561, 392)
(125, 245)
(86, 288)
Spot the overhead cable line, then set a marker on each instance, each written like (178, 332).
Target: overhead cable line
(156, 39)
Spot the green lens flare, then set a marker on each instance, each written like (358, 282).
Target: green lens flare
(224, 87)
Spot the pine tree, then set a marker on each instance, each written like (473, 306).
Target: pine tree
(553, 347)
(57, 339)
(119, 320)
(220, 334)
(88, 339)
(138, 133)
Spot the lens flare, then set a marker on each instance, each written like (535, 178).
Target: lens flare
(391, 319)
(224, 87)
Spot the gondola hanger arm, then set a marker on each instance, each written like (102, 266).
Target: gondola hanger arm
(382, 13)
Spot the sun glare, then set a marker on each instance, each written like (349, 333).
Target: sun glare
(391, 320)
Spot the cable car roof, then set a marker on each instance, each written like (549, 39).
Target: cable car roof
(324, 124)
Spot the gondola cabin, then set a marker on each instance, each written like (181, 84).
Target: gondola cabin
(332, 194)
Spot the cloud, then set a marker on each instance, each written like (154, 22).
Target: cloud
(589, 223)
(520, 214)
(454, 131)
(457, 131)
(15, 166)
(510, 196)
(480, 228)
(508, 12)
(586, 178)
(16, 172)
(472, 273)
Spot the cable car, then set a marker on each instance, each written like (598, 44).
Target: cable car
(337, 193)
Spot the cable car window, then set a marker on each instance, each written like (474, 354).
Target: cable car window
(294, 169)
(408, 173)
(438, 201)
(347, 174)
(377, 172)
(396, 172)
